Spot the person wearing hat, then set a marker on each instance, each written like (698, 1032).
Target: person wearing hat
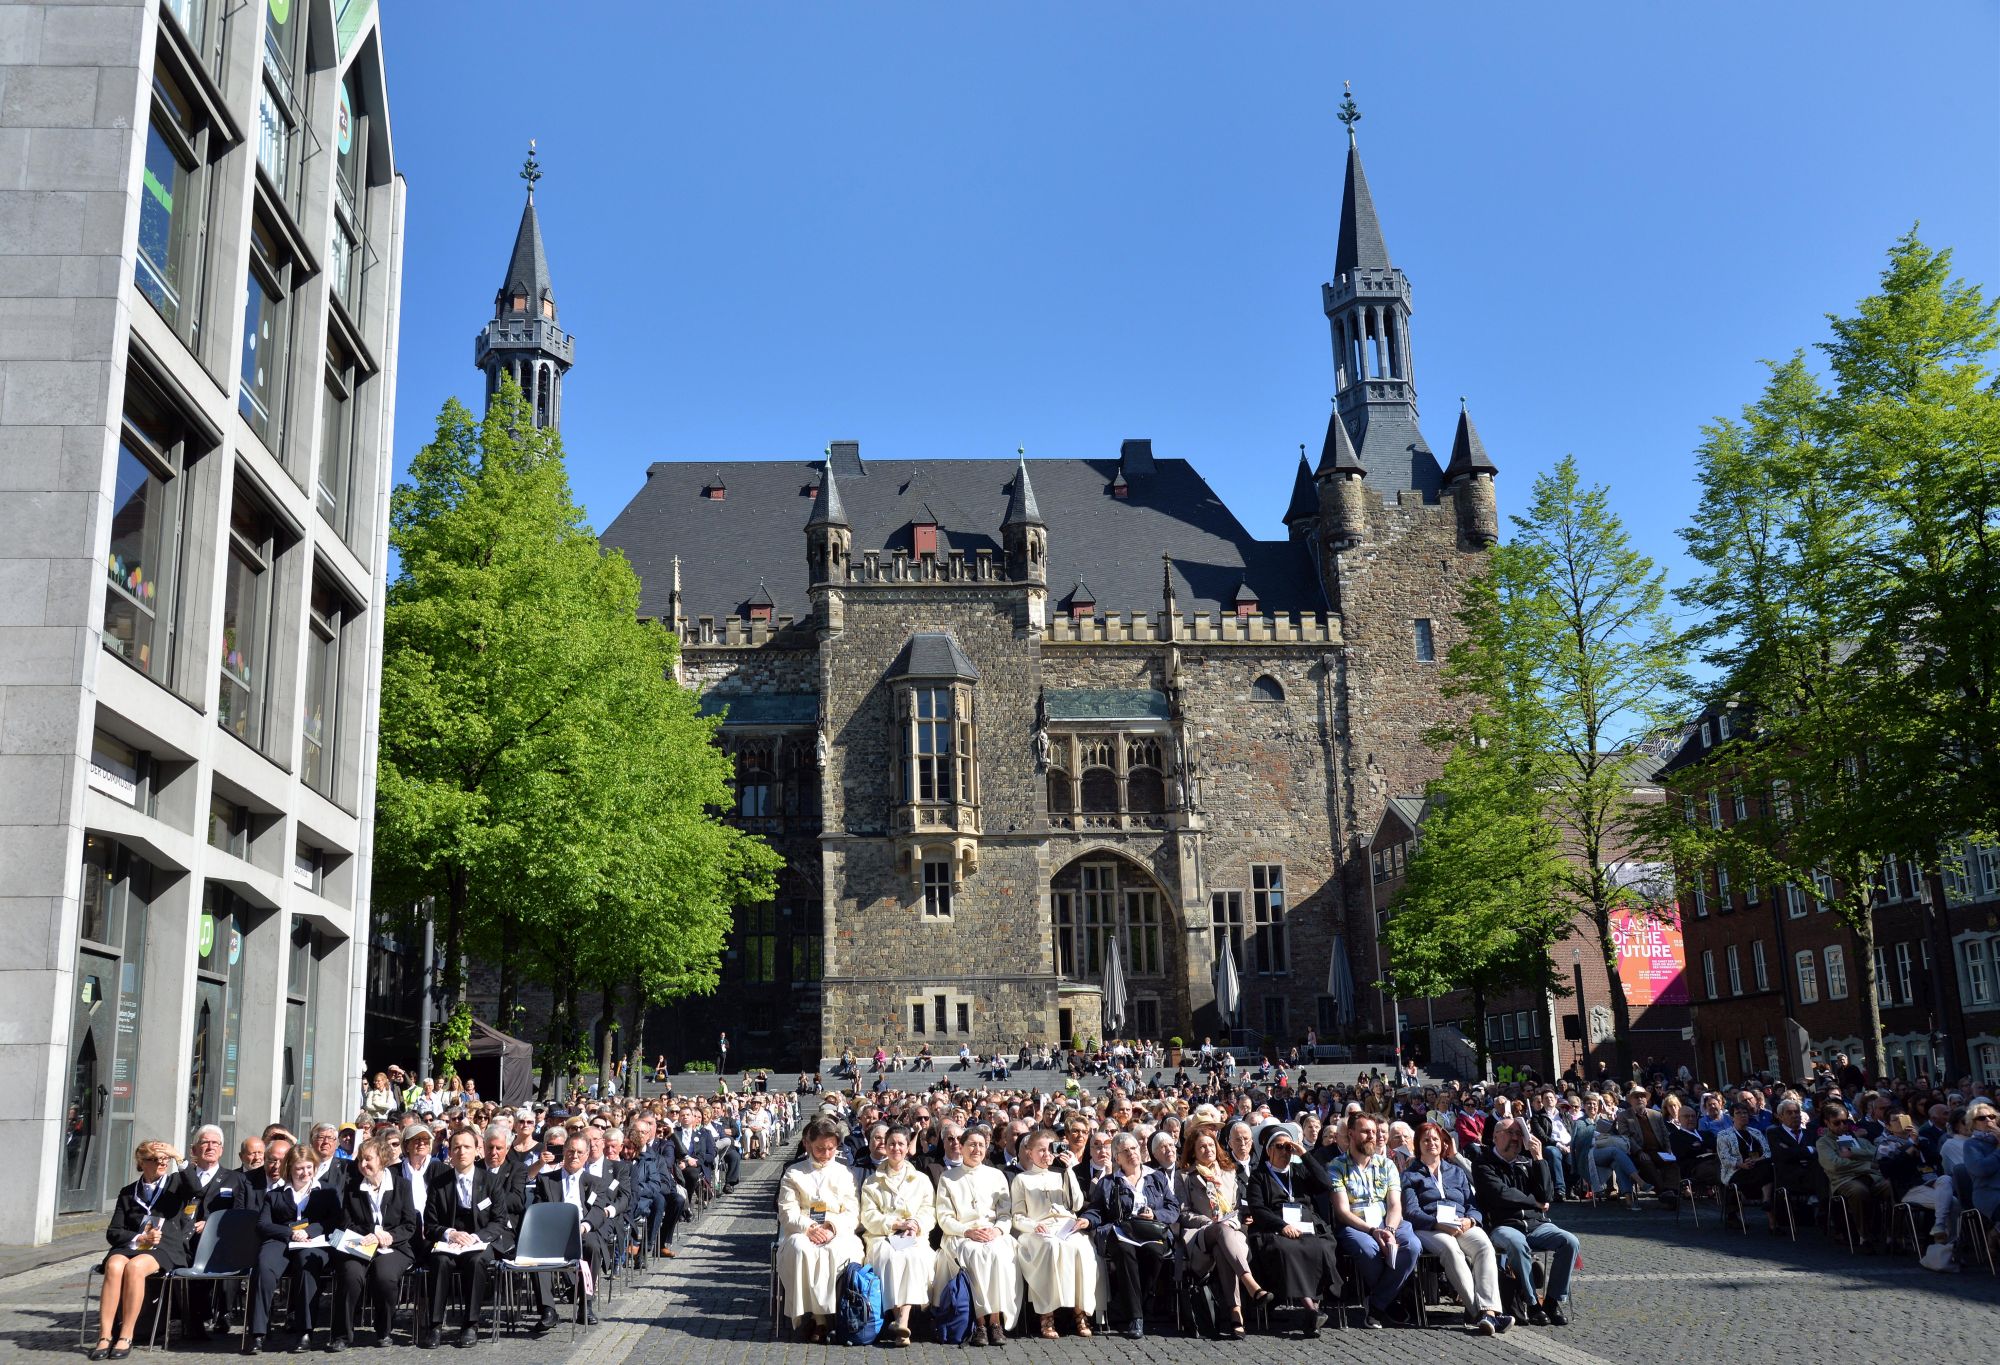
(1290, 1246)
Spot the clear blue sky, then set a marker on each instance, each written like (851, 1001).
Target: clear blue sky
(948, 229)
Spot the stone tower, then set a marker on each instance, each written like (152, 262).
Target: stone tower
(1025, 538)
(523, 339)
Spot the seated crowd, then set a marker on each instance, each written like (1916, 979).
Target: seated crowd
(425, 1179)
(1071, 1208)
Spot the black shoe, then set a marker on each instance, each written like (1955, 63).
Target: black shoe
(1555, 1314)
(548, 1320)
(1536, 1317)
(381, 1340)
(300, 1345)
(589, 1317)
(335, 1345)
(427, 1340)
(1135, 1330)
(468, 1337)
(1371, 1320)
(253, 1345)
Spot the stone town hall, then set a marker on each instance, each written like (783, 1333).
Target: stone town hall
(997, 714)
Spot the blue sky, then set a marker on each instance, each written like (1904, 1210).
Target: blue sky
(950, 229)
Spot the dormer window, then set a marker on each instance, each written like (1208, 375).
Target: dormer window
(758, 608)
(713, 489)
(1081, 604)
(549, 309)
(924, 537)
(1120, 488)
(1245, 601)
(520, 303)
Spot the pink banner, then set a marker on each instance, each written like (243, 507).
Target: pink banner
(1652, 960)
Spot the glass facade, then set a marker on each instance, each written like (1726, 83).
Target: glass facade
(103, 1075)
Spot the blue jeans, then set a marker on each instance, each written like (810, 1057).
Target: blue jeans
(1517, 1249)
(1381, 1281)
(1581, 1150)
(1621, 1162)
(1552, 1157)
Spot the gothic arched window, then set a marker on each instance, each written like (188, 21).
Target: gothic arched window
(1062, 792)
(1266, 688)
(1100, 791)
(1145, 791)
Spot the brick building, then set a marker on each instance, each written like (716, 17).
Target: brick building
(1000, 714)
(1527, 1029)
(1773, 973)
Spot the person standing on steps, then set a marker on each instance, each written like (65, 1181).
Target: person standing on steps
(722, 1056)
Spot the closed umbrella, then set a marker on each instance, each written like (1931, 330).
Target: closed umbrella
(1228, 996)
(1114, 991)
(1340, 981)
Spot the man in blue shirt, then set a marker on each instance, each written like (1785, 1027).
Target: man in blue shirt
(1368, 1217)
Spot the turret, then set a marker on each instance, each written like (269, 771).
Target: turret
(1343, 508)
(1469, 481)
(829, 547)
(523, 341)
(1023, 534)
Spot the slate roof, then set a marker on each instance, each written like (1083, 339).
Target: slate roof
(528, 267)
(1361, 243)
(1105, 703)
(1304, 505)
(758, 531)
(933, 654)
(1468, 452)
(762, 708)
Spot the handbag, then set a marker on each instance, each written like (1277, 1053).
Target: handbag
(1145, 1230)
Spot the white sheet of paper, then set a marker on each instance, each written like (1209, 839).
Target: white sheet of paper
(1295, 1215)
(901, 1241)
(448, 1249)
(1447, 1214)
(310, 1244)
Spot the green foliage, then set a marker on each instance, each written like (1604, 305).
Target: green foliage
(452, 1041)
(705, 1068)
(1483, 899)
(542, 775)
(1571, 662)
(1844, 538)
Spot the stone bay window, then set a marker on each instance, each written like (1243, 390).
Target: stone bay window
(1110, 760)
(934, 689)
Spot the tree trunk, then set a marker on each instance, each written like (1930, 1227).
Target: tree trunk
(1621, 1008)
(553, 1050)
(1861, 919)
(572, 1024)
(607, 1030)
(457, 903)
(635, 1036)
(505, 1023)
(1479, 1029)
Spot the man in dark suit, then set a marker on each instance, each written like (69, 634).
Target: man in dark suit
(571, 1184)
(655, 1211)
(728, 1137)
(467, 1210)
(250, 1163)
(205, 1189)
(608, 1164)
(515, 1180)
(694, 1153)
(1794, 1163)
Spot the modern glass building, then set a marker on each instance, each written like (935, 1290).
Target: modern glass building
(200, 260)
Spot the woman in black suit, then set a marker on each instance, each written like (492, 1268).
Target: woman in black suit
(296, 1208)
(378, 1206)
(1132, 1212)
(467, 1208)
(145, 1240)
(1291, 1247)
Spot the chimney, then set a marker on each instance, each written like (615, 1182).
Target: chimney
(1135, 458)
(844, 457)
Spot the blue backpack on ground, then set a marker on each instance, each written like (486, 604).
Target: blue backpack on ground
(951, 1315)
(857, 1304)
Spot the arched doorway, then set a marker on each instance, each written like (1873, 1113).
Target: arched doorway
(1099, 897)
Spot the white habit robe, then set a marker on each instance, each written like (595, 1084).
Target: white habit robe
(1061, 1272)
(887, 1200)
(971, 1197)
(808, 1196)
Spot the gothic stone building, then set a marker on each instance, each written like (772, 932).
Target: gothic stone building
(1000, 715)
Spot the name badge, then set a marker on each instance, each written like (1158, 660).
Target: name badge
(1371, 1215)
(485, 1204)
(593, 1198)
(818, 1211)
(614, 1187)
(1447, 1214)
(1295, 1215)
(226, 1192)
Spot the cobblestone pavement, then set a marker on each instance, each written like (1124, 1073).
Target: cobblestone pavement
(1649, 1290)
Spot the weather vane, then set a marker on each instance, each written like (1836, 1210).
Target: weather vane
(531, 169)
(1349, 114)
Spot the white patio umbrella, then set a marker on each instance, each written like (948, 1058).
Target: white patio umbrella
(1340, 980)
(1228, 994)
(1114, 991)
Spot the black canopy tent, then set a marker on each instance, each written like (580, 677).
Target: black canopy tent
(502, 1067)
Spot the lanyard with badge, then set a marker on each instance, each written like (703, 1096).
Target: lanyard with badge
(1294, 1212)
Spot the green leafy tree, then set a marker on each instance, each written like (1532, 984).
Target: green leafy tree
(1844, 537)
(1568, 651)
(1482, 900)
(543, 778)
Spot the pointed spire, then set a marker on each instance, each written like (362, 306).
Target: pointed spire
(1304, 505)
(1361, 245)
(827, 510)
(1337, 456)
(1468, 452)
(1021, 509)
(528, 268)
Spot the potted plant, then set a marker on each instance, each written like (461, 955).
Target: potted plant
(1174, 1051)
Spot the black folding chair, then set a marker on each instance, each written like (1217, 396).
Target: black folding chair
(551, 1240)
(227, 1251)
